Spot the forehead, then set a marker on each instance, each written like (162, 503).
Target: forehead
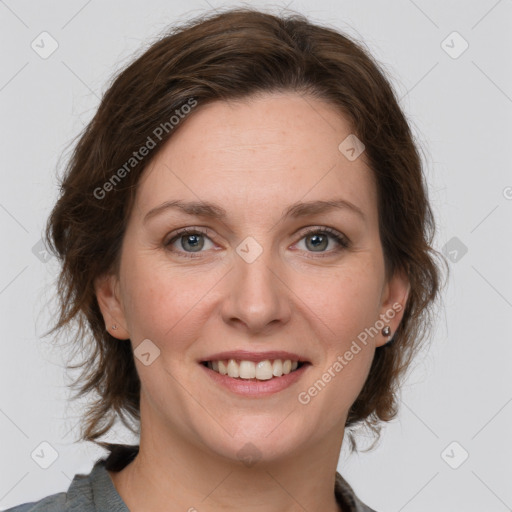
(263, 152)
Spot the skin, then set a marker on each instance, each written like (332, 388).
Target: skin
(254, 158)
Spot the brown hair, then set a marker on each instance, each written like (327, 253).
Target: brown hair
(230, 56)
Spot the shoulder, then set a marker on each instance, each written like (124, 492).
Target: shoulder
(79, 497)
(88, 492)
(347, 497)
(53, 503)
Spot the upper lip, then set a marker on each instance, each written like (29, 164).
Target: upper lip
(245, 355)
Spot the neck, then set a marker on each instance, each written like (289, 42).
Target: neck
(171, 473)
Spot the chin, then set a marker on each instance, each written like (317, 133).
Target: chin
(256, 438)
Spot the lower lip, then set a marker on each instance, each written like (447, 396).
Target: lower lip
(256, 388)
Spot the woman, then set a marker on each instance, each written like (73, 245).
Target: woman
(245, 233)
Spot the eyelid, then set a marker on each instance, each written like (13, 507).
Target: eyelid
(340, 239)
(182, 231)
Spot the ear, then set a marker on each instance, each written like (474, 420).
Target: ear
(393, 302)
(107, 293)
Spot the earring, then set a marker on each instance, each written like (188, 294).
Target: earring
(387, 332)
(114, 327)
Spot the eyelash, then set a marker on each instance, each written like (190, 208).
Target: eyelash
(340, 239)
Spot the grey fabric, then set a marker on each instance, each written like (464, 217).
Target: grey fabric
(96, 492)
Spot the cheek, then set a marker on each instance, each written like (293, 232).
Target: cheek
(341, 314)
(345, 302)
(164, 302)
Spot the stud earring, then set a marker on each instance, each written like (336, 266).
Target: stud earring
(387, 332)
(114, 327)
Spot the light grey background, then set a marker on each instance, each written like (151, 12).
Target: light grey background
(460, 110)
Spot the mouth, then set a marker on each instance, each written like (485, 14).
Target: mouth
(247, 370)
(255, 374)
(256, 378)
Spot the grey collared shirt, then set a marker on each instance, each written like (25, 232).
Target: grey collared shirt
(95, 492)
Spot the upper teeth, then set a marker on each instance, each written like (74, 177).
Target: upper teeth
(262, 370)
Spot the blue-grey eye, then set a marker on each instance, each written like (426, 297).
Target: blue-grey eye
(195, 242)
(317, 241)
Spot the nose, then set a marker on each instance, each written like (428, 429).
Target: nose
(257, 298)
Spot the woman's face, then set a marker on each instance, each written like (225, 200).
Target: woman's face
(257, 279)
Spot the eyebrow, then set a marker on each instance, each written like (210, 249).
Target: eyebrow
(296, 210)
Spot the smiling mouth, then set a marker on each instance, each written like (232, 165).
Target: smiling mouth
(250, 370)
